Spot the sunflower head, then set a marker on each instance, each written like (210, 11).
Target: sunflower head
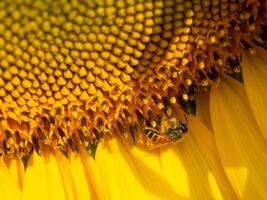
(76, 72)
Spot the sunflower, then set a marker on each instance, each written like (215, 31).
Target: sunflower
(128, 99)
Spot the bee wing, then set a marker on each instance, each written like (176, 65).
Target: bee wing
(153, 145)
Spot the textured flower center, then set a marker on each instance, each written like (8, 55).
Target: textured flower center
(74, 71)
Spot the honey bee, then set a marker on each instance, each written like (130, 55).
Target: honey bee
(177, 133)
(170, 135)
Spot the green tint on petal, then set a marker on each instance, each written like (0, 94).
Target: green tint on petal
(189, 107)
(237, 76)
(92, 149)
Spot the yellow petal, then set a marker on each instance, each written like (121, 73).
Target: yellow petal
(84, 185)
(204, 138)
(238, 88)
(87, 168)
(255, 78)
(15, 170)
(156, 177)
(241, 147)
(9, 187)
(178, 172)
(42, 178)
(81, 180)
(133, 173)
(67, 177)
(123, 177)
(188, 167)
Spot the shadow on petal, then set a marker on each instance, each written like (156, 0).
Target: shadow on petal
(203, 108)
(132, 173)
(255, 77)
(197, 169)
(241, 147)
(204, 139)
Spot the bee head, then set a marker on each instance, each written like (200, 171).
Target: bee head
(183, 127)
(175, 134)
